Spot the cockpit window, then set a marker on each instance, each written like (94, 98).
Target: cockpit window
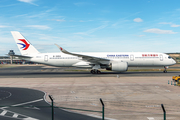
(169, 57)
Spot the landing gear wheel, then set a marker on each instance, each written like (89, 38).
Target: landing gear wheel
(165, 71)
(95, 71)
(98, 72)
(92, 72)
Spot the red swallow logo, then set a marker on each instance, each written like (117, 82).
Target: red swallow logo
(25, 45)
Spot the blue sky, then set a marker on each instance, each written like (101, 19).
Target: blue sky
(92, 25)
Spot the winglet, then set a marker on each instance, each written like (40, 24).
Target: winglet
(59, 47)
(62, 50)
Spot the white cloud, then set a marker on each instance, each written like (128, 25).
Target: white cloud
(79, 3)
(98, 28)
(165, 23)
(116, 24)
(141, 35)
(92, 30)
(23, 15)
(81, 21)
(138, 20)
(81, 33)
(85, 21)
(82, 3)
(169, 23)
(7, 5)
(174, 25)
(28, 1)
(159, 31)
(59, 20)
(41, 27)
(2, 26)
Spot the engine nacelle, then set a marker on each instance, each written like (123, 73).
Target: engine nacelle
(118, 66)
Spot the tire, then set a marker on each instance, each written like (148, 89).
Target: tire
(98, 72)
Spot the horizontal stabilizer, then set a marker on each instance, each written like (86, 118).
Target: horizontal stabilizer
(21, 56)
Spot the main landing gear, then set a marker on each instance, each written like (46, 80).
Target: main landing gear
(165, 71)
(94, 71)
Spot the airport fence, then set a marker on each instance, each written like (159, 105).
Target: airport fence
(52, 107)
(64, 108)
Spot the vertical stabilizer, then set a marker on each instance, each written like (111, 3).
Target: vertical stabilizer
(24, 45)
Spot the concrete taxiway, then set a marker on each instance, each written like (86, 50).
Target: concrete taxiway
(50, 72)
(131, 96)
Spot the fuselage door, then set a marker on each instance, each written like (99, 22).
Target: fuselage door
(132, 57)
(161, 57)
(46, 58)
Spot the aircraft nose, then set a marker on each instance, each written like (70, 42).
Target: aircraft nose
(174, 62)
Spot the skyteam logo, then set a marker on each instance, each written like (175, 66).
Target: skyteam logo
(25, 46)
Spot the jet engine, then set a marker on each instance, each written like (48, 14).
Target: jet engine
(118, 66)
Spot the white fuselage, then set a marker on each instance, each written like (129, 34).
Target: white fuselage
(134, 59)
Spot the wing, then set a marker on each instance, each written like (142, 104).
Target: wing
(21, 56)
(92, 59)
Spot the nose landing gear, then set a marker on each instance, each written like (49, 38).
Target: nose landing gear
(165, 67)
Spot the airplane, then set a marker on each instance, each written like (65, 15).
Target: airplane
(114, 61)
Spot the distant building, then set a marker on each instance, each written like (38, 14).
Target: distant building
(7, 60)
(13, 60)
